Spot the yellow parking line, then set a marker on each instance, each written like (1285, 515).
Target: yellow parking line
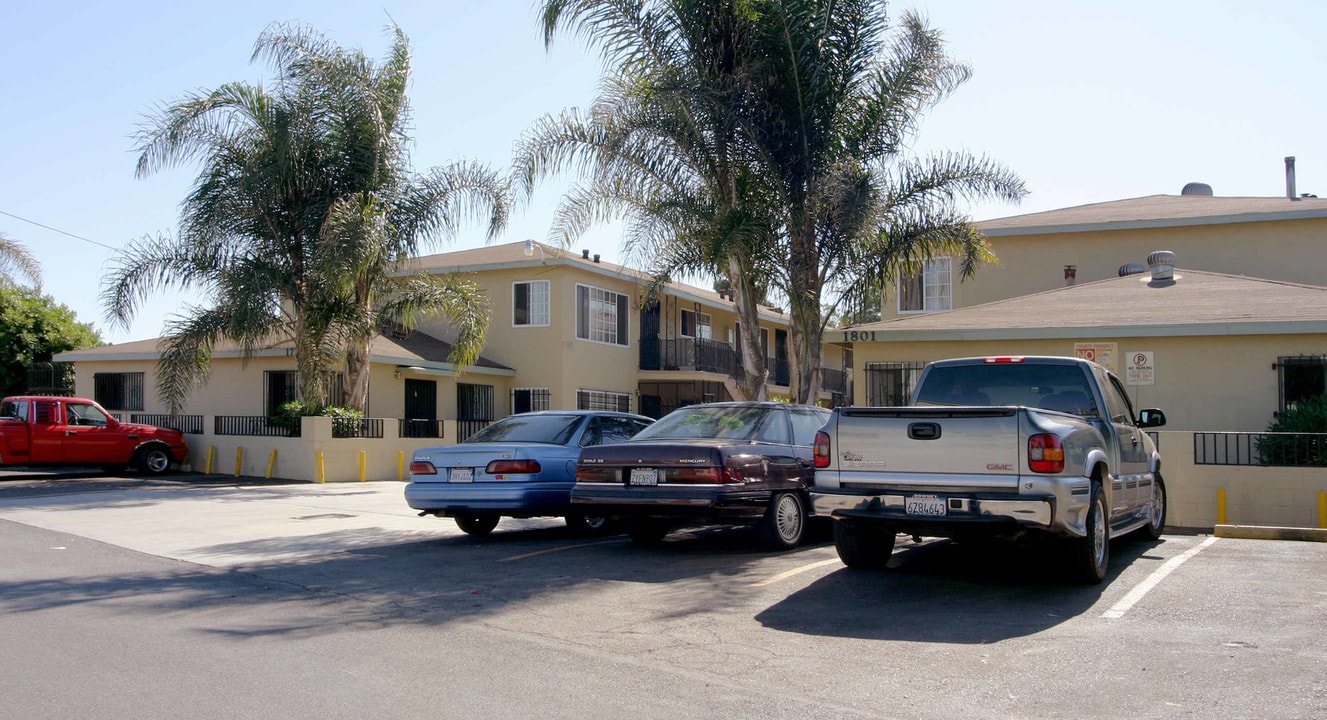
(558, 549)
(796, 571)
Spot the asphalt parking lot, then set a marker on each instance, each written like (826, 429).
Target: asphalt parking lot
(705, 624)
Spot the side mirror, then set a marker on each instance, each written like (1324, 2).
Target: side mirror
(1151, 417)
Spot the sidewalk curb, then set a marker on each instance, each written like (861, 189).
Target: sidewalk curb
(1261, 532)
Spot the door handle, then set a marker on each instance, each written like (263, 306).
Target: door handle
(71, 432)
(1135, 439)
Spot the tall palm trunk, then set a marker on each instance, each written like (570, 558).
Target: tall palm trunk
(804, 309)
(751, 379)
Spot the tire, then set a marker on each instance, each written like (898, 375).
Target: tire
(1089, 556)
(863, 546)
(153, 460)
(476, 524)
(592, 525)
(784, 522)
(1153, 529)
(647, 531)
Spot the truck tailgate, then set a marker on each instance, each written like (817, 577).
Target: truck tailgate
(886, 444)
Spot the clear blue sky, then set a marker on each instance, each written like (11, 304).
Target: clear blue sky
(1088, 101)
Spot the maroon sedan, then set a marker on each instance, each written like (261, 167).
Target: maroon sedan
(736, 462)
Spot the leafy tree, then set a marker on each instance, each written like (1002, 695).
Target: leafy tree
(15, 260)
(662, 149)
(34, 327)
(300, 219)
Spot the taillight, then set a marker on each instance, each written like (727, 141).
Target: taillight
(513, 467)
(595, 475)
(422, 467)
(820, 450)
(704, 475)
(1045, 453)
(1004, 360)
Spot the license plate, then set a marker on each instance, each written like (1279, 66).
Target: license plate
(462, 475)
(643, 476)
(924, 505)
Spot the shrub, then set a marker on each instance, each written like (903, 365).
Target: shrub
(1300, 435)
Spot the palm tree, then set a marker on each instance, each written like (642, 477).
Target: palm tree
(296, 223)
(661, 148)
(16, 261)
(837, 101)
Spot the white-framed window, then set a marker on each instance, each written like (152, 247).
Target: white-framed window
(603, 400)
(530, 303)
(696, 325)
(530, 399)
(928, 288)
(601, 315)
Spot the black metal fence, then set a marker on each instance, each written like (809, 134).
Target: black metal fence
(834, 381)
(51, 378)
(1262, 449)
(187, 424)
(259, 425)
(419, 428)
(349, 427)
(689, 353)
(466, 428)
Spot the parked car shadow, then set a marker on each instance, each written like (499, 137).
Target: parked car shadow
(946, 592)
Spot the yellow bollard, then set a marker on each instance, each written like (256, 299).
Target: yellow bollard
(400, 466)
(322, 476)
(239, 460)
(1221, 506)
(362, 458)
(271, 463)
(1322, 509)
(211, 452)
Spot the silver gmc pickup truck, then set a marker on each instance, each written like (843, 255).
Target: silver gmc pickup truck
(998, 445)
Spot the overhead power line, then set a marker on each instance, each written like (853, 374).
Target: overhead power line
(62, 232)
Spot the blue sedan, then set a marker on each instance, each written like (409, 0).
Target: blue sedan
(520, 466)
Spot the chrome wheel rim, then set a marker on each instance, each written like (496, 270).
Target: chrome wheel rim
(788, 518)
(1099, 532)
(595, 522)
(157, 461)
(1158, 506)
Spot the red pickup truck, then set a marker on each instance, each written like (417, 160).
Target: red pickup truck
(40, 431)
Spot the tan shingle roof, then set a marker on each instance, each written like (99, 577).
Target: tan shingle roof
(1157, 211)
(1198, 303)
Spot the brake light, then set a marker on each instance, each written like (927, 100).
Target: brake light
(1003, 360)
(513, 467)
(422, 467)
(1045, 453)
(595, 475)
(820, 450)
(705, 475)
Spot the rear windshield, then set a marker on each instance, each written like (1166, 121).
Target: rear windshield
(554, 429)
(728, 423)
(1054, 387)
(16, 410)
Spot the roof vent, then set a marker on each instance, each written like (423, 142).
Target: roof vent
(1162, 264)
(1132, 269)
(1197, 189)
(585, 254)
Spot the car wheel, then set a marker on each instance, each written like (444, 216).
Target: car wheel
(863, 547)
(153, 460)
(595, 525)
(1157, 512)
(476, 524)
(647, 531)
(1090, 555)
(784, 522)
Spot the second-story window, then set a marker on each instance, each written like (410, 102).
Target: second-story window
(601, 315)
(696, 325)
(928, 288)
(530, 303)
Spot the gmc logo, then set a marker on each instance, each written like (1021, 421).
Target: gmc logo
(996, 466)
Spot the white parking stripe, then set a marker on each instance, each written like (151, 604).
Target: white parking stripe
(796, 571)
(1142, 588)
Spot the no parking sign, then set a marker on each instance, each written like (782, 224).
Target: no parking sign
(1139, 370)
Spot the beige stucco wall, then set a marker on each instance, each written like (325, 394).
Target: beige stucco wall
(1202, 383)
(1290, 250)
(232, 388)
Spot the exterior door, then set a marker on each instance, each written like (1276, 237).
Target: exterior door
(421, 408)
(89, 437)
(651, 347)
(1133, 486)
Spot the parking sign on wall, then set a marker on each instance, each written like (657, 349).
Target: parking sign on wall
(1139, 368)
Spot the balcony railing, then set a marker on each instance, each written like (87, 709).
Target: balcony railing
(466, 428)
(1265, 449)
(688, 354)
(420, 428)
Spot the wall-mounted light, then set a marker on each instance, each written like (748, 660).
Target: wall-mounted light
(530, 247)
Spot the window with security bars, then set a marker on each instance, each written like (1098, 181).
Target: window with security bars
(1300, 378)
(891, 383)
(474, 402)
(601, 315)
(530, 400)
(282, 386)
(118, 391)
(928, 288)
(603, 400)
